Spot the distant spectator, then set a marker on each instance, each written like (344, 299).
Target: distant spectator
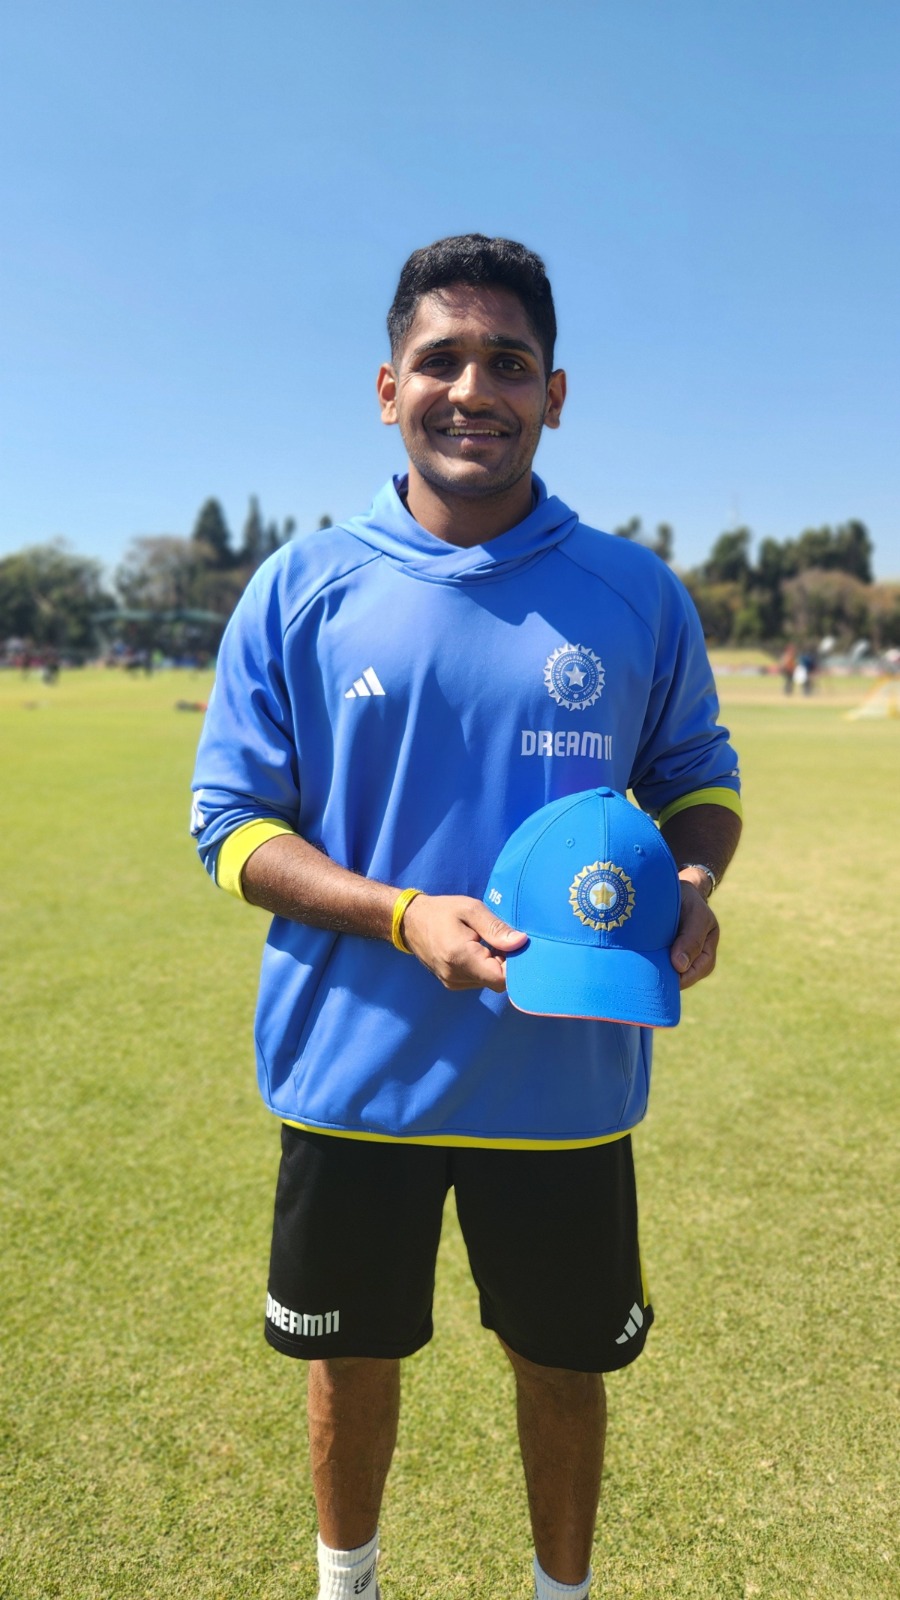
(787, 666)
(806, 667)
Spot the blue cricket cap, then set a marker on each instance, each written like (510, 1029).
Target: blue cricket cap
(593, 883)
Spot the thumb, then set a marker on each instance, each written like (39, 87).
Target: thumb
(498, 934)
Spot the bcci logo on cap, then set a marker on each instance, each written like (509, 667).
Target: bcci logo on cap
(574, 676)
(599, 937)
(602, 896)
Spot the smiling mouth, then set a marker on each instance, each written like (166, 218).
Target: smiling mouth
(470, 432)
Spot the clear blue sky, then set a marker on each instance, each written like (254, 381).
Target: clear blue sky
(205, 207)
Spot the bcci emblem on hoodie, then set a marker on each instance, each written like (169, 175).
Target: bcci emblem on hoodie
(602, 896)
(574, 676)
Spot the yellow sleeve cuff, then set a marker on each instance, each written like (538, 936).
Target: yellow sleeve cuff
(728, 798)
(239, 847)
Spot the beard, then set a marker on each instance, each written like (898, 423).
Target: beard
(472, 479)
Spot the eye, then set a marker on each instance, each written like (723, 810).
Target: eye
(509, 364)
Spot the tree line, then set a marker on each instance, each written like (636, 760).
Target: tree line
(177, 593)
(169, 592)
(816, 586)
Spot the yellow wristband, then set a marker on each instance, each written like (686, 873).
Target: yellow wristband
(400, 905)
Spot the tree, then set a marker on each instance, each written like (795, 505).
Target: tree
(261, 539)
(773, 564)
(729, 560)
(847, 548)
(717, 605)
(884, 607)
(276, 537)
(632, 529)
(162, 572)
(854, 550)
(186, 598)
(212, 530)
(750, 623)
(253, 543)
(48, 596)
(820, 603)
(664, 543)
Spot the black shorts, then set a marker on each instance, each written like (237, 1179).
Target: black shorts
(551, 1235)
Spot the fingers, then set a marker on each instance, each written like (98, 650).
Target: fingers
(693, 954)
(498, 934)
(475, 968)
(460, 941)
(464, 944)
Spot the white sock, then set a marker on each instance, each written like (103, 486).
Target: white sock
(347, 1574)
(548, 1589)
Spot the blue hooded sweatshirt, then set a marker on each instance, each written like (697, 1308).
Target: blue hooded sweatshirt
(404, 704)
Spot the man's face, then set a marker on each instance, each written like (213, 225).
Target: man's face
(469, 392)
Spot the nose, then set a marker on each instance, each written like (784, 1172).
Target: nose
(470, 385)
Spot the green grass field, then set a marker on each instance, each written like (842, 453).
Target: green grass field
(154, 1447)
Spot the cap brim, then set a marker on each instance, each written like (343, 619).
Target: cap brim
(552, 979)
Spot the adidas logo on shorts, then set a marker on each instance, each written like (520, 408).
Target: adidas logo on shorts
(635, 1321)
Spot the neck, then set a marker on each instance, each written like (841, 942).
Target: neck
(467, 520)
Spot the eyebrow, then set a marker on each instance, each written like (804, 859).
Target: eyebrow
(491, 341)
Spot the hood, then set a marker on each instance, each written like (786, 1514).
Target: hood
(388, 527)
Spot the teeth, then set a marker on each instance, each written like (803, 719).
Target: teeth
(473, 433)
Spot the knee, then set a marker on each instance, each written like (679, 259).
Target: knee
(361, 1376)
(563, 1382)
(351, 1365)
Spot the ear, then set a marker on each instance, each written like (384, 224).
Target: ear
(386, 387)
(556, 396)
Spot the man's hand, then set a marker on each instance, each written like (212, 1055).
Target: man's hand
(455, 937)
(693, 954)
(707, 833)
(460, 941)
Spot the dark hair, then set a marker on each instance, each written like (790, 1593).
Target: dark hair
(475, 259)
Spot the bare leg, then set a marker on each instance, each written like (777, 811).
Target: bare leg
(562, 1429)
(353, 1405)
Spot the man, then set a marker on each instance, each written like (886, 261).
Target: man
(393, 698)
